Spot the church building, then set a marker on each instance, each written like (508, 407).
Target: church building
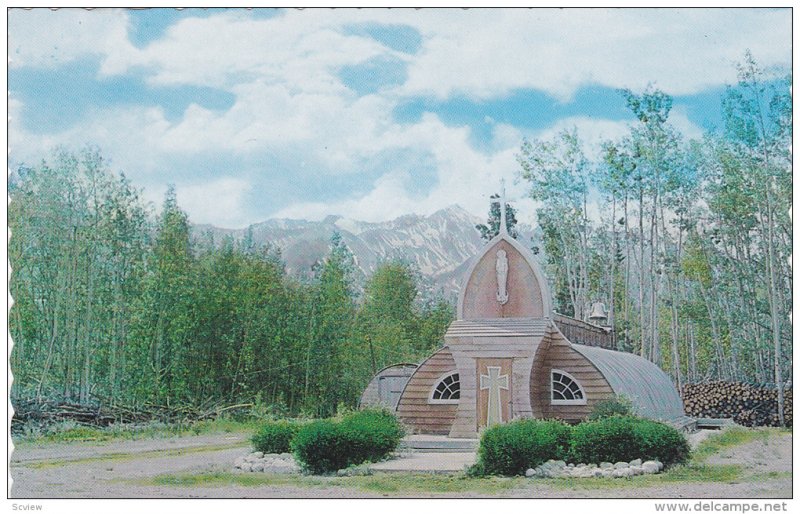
(504, 358)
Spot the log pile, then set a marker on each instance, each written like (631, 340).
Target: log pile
(748, 405)
(43, 413)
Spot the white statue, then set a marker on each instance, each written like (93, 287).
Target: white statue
(502, 276)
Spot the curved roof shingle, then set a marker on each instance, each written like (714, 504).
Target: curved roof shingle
(651, 390)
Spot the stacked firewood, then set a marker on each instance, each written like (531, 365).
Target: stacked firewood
(43, 413)
(747, 404)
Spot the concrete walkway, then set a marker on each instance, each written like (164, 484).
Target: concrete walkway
(437, 444)
(427, 462)
(430, 454)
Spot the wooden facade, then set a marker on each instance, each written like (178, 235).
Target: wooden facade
(386, 386)
(515, 357)
(561, 356)
(415, 409)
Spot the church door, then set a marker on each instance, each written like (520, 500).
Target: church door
(494, 391)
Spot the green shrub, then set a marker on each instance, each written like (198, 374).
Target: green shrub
(511, 448)
(364, 436)
(275, 436)
(624, 438)
(321, 447)
(619, 406)
(374, 433)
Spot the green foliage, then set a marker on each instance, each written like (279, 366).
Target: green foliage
(396, 323)
(691, 250)
(733, 436)
(619, 406)
(511, 448)
(327, 445)
(374, 434)
(624, 438)
(321, 447)
(492, 226)
(275, 436)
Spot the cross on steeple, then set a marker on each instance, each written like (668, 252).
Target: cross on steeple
(503, 227)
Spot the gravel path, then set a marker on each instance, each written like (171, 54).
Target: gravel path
(120, 470)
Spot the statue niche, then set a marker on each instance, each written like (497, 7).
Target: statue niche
(502, 276)
(502, 284)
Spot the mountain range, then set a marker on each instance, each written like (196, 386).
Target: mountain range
(439, 245)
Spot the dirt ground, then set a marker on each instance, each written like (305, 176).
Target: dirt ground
(119, 470)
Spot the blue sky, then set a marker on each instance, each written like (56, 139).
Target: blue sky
(369, 113)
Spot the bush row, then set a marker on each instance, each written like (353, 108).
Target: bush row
(512, 448)
(275, 436)
(328, 445)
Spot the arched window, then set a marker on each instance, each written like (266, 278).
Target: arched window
(446, 390)
(565, 390)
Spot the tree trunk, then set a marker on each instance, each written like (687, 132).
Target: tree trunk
(644, 348)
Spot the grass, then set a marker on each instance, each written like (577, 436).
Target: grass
(381, 482)
(733, 436)
(53, 463)
(696, 471)
(440, 483)
(82, 434)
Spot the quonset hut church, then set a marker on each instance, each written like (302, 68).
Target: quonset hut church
(505, 358)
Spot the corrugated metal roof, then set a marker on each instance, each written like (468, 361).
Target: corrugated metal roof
(650, 389)
(507, 327)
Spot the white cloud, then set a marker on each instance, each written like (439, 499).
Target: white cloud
(679, 118)
(465, 176)
(684, 51)
(219, 202)
(49, 38)
(290, 103)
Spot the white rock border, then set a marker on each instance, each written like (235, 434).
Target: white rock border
(279, 463)
(560, 469)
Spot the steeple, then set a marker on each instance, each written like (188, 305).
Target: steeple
(503, 227)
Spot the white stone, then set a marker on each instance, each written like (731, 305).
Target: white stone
(258, 466)
(636, 462)
(650, 467)
(530, 472)
(637, 470)
(622, 472)
(606, 465)
(597, 472)
(282, 469)
(257, 455)
(247, 466)
(620, 465)
(238, 462)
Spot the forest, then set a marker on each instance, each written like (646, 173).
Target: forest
(687, 242)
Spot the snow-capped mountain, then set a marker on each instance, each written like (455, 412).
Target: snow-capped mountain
(440, 245)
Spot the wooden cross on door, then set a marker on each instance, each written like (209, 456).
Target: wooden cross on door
(494, 382)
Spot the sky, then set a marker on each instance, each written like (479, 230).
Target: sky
(368, 114)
